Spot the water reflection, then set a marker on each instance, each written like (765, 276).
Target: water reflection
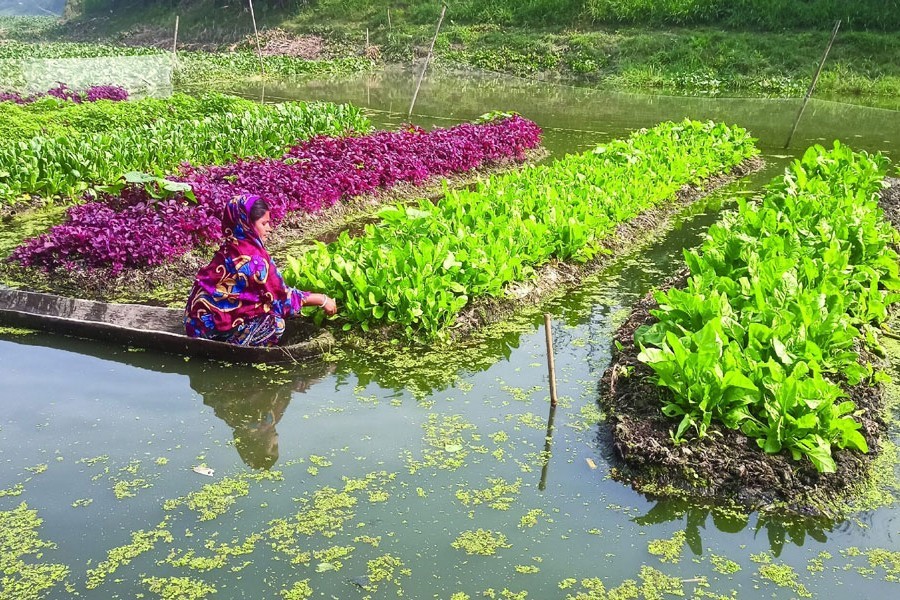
(778, 530)
(252, 404)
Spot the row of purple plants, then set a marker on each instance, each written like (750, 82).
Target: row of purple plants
(63, 92)
(135, 229)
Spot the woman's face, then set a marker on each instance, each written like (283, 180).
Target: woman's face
(263, 226)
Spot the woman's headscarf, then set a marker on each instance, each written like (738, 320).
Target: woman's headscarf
(241, 281)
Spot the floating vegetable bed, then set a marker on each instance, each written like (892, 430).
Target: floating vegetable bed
(752, 377)
(70, 165)
(420, 266)
(134, 230)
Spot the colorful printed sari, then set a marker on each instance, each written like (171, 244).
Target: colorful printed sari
(240, 297)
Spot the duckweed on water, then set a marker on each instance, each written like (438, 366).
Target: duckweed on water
(178, 588)
(128, 489)
(527, 569)
(446, 447)
(500, 495)
(141, 542)
(385, 569)
(221, 554)
(18, 540)
(817, 564)
(530, 519)
(724, 565)
(215, 499)
(333, 555)
(300, 591)
(784, 575)
(668, 550)
(16, 331)
(15, 490)
(82, 502)
(481, 542)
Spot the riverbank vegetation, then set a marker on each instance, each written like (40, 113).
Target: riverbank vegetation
(753, 47)
(767, 345)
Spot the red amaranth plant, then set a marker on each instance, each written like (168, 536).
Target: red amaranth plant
(134, 229)
(63, 92)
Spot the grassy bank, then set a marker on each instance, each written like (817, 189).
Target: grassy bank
(721, 51)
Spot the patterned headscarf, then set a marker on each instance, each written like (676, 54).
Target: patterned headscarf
(241, 281)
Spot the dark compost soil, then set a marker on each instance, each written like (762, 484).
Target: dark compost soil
(726, 465)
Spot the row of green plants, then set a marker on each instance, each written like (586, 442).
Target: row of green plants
(779, 296)
(67, 165)
(53, 117)
(420, 265)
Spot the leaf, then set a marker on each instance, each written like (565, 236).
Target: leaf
(453, 448)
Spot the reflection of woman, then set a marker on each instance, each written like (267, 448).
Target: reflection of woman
(240, 297)
(252, 407)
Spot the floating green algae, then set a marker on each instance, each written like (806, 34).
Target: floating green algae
(724, 565)
(220, 555)
(141, 542)
(530, 519)
(299, 591)
(128, 489)
(499, 495)
(215, 499)
(668, 550)
(333, 556)
(446, 445)
(481, 542)
(817, 564)
(19, 540)
(325, 512)
(15, 490)
(784, 575)
(178, 588)
(16, 331)
(526, 569)
(504, 594)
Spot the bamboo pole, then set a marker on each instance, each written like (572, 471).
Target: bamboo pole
(548, 334)
(812, 86)
(262, 70)
(175, 44)
(548, 443)
(389, 20)
(427, 58)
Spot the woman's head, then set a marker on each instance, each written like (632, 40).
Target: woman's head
(260, 219)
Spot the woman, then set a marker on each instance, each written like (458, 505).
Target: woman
(240, 297)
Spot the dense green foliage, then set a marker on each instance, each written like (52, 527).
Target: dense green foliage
(742, 14)
(778, 296)
(421, 265)
(51, 117)
(67, 164)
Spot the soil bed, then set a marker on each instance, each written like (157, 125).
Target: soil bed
(727, 465)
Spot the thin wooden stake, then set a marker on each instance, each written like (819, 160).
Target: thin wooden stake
(389, 20)
(367, 39)
(427, 58)
(812, 86)
(175, 43)
(262, 70)
(550, 365)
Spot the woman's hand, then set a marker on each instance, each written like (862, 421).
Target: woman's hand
(329, 306)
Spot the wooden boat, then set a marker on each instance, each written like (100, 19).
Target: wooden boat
(151, 327)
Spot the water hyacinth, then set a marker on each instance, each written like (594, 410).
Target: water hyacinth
(136, 230)
(63, 92)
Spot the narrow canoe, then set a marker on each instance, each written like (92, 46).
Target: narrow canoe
(150, 327)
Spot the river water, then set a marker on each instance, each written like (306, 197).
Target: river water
(389, 457)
